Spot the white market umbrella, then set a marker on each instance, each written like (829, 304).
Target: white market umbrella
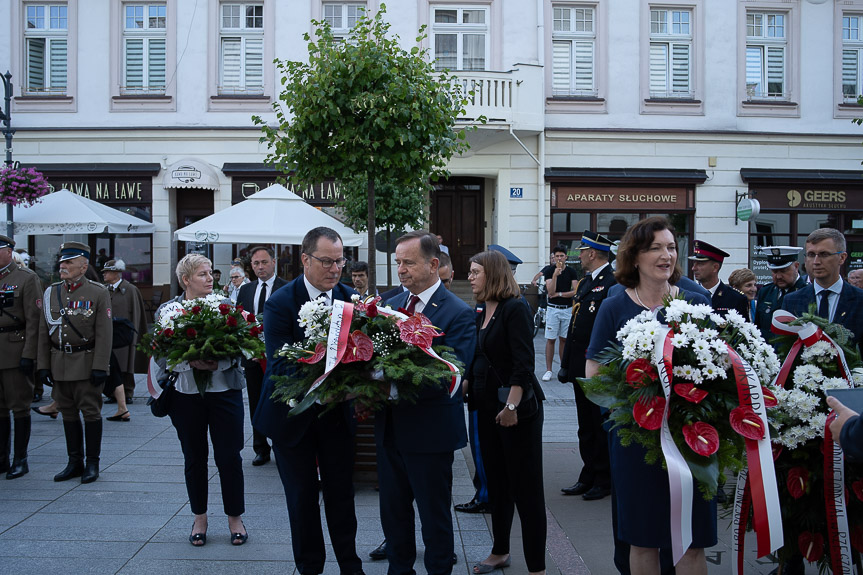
(65, 212)
(274, 215)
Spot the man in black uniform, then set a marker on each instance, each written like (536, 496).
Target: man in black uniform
(706, 263)
(594, 482)
(784, 267)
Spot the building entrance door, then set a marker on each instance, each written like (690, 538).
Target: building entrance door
(457, 216)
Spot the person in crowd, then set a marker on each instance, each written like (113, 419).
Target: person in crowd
(20, 310)
(390, 294)
(218, 411)
(648, 268)
(560, 285)
(443, 248)
(784, 268)
(837, 301)
(360, 279)
(855, 278)
(415, 442)
(446, 270)
(512, 445)
(237, 280)
(317, 438)
(706, 263)
(217, 280)
(847, 429)
(594, 481)
(127, 303)
(744, 280)
(75, 337)
(253, 296)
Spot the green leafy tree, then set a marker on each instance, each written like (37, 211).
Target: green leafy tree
(365, 108)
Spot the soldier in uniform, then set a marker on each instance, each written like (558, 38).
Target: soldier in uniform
(126, 302)
(74, 351)
(594, 482)
(20, 296)
(784, 267)
(706, 263)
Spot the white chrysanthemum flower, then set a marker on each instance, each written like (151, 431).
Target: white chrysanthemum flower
(835, 383)
(355, 297)
(679, 340)
(717, 319)
(712, 371)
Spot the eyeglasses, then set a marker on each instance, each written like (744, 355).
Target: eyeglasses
(473, 273)
(821, 255)
(327, 263)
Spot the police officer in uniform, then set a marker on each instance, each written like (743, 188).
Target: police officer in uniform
(594, 482)
(784, 267)
(74, 351)
(20, 294)
(706, 263)
(126, 302)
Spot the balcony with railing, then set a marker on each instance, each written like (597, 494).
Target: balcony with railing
(505, 99)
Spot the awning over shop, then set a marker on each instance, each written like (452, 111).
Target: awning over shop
(758, 175)
(629, 175)
(190, 173)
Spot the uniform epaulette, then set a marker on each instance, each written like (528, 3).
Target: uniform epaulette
(101, 285)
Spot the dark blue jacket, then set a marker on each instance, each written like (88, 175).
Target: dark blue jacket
(246, 298)
(849, 309)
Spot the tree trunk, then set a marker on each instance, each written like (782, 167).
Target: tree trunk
(371, 227)
(389, 259)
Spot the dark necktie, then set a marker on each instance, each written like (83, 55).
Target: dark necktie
(110, 288)
(412, 304)
(824, 307)
(262, 298)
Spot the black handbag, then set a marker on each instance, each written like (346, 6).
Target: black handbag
(161, 406)
(527, 407)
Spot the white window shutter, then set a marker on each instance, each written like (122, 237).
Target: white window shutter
(754, 71)
(850, 59)
(36, 64)
(58, 64)
(231, 62)
(561, 67)
(775, 70)
(134, 62)
(254, 63)
(680, 77)
(658, 69)
(584, 66)
(156, 63)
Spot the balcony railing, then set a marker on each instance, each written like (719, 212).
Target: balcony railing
(513, 97)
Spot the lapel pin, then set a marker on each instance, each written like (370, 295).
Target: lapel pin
(434, 304)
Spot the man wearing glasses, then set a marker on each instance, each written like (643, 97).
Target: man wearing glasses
(312, 436)
(835, 300)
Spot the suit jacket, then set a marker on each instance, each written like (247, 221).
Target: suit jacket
(435, 423)
(398, 290)
(281, 327)
(246, 298)
(851, 438)
(683, 283)
(127, 302)
(849, 309)
(770, 298)
(726, 298)
(22, 318)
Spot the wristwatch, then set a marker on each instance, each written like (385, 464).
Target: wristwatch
(511, 406)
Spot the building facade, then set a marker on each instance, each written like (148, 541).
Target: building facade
(598, 113)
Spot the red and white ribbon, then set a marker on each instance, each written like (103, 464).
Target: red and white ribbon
(337, 339)
(740, 520)
(807, 335)
(834, 499)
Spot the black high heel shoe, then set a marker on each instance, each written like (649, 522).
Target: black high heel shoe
(195, 537)
(238, 538)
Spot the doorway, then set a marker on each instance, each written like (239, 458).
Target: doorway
(457, 216)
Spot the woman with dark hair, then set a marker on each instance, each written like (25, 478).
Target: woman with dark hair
(218, 410)
(647, 267)
(509, 403)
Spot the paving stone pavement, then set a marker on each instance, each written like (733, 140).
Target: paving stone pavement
(136, 519)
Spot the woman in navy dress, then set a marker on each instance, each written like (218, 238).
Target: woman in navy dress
(647, 267)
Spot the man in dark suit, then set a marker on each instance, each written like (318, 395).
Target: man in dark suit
(252, 297)
(415, 442)
(594, 481)
(706, 263)
(835, 299)
(390, 294)
(299, 441)
(784, 268)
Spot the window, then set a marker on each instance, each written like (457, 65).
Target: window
(670, 74)
(460, 39)
(46, 49)
(766, 56)
(342, 17)
(144, 48)
(573, 51)
(241, 49)
(852, 48)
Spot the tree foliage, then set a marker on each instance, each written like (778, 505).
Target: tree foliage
(365, 108)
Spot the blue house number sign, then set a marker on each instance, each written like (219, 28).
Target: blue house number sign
(516, 193)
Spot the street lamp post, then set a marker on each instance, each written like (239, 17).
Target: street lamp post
(6, 118)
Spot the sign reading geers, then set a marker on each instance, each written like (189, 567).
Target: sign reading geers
(618, 198)
(806, 198)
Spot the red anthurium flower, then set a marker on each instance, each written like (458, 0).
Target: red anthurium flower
(320, 352)
(224, 309)
(640, 373)
(196, 309)
(689, 392)
(811, 545)
(769, 399)
(359, 348)
(191, 332)
(857, 537)
(796, 481)
(702, 438)
(857, 488)
(168, 332)
(746, 422)
(418, 330)
(777, 450)
(231, 321)
(648, 414)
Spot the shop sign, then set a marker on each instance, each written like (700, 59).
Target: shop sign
(325, 194)
(109, 191)
(808, 198)
(621, 198)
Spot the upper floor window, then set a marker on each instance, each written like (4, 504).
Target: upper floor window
(342, 17)
(144, 48)
(460, 38)
(766, 56)
(46, 49)
(241, 49)
(670, 73)
(852, 48)
(573, 51)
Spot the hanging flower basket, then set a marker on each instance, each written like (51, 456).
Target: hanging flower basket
(21, 185)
